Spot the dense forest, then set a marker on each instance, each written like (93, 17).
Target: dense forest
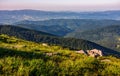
(107, 36)
(40, 37)
(24, 58)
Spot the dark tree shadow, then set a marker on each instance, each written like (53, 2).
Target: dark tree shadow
(24, 54)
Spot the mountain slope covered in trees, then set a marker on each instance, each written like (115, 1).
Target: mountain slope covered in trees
(75, 44)
(107, 36)
(62, 27)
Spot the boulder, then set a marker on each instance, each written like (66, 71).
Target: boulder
(92, 53)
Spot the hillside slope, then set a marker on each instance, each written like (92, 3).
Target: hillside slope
(106, 36)
(75, 44)
(24, 58)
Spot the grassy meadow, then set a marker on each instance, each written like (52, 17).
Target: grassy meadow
(24, 58)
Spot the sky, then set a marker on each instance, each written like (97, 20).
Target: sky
(61, 5)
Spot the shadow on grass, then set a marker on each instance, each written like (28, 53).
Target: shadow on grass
(24, 54)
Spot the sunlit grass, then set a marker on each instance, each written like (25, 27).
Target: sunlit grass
(24, 58)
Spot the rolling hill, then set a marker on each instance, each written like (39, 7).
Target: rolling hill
(25, 58)
(75, 44)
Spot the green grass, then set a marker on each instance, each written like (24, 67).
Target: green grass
(24, 58)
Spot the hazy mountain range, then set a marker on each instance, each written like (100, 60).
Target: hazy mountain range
(61, 27)
(99, 27)
(7, 17)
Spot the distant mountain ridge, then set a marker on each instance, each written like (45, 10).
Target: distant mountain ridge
(7, 17)
(62, 27)
(50, 39)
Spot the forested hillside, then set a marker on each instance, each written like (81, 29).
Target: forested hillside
(24, 58)
(107, 36)
(72, 43)
(62, 27)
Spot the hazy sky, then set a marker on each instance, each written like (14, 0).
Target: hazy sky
(61, 5)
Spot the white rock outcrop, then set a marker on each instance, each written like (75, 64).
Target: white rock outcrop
(92, 53)
(95, 53)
